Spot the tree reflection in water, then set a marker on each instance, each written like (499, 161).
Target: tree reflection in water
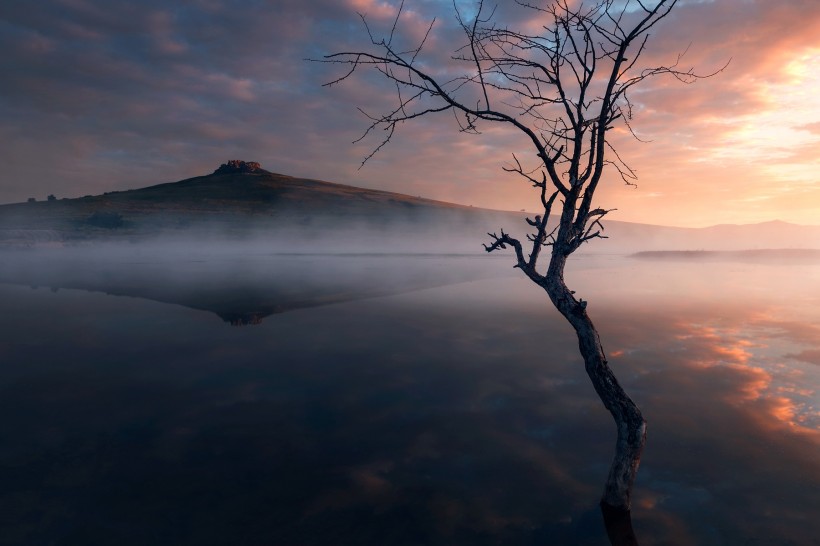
(413, 418)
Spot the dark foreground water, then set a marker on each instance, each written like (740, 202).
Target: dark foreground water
(379, 401)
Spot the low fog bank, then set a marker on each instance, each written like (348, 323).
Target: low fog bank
(350, 226)
(246, 275)
(416, 231)
(242, 281)
(245, 268)
(770, 255)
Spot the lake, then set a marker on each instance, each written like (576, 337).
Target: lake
(254, 398)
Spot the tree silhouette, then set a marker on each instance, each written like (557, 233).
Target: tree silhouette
(564, 88)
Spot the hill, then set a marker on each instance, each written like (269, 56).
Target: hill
(241, 200)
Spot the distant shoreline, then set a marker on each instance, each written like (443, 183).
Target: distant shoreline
(753, 255)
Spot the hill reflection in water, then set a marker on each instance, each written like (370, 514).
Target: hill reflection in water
(242, 284)
(456, 413)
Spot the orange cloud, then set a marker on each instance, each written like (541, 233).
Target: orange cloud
(746, 139)
(755, 387)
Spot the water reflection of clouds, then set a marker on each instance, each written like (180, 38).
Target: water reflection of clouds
(715, 358)
(726, 315)
(756, 356)
(717, 420)
(455, 415)
(733, 421)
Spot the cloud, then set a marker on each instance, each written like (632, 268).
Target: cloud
(812, 356)
(146, 86)
(813, 127)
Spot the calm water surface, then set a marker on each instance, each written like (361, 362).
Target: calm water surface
(397, 400)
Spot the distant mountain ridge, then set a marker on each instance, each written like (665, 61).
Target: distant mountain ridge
(241, 199)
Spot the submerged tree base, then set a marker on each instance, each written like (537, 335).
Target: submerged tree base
(618, 523)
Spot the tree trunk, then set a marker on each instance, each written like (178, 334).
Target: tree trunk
(618, 524)
(629, 421)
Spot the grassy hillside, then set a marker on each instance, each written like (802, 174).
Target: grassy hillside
(232, 204)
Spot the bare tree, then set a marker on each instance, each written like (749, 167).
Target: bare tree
(564, 88)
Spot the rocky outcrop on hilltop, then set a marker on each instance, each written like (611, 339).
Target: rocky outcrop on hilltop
(235, 166)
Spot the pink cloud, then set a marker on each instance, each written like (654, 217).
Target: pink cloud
(746, 138)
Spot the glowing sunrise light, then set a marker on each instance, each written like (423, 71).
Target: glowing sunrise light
(783, 139)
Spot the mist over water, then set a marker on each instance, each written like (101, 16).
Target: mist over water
(397, 399)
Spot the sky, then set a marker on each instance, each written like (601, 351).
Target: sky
(105, 95)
